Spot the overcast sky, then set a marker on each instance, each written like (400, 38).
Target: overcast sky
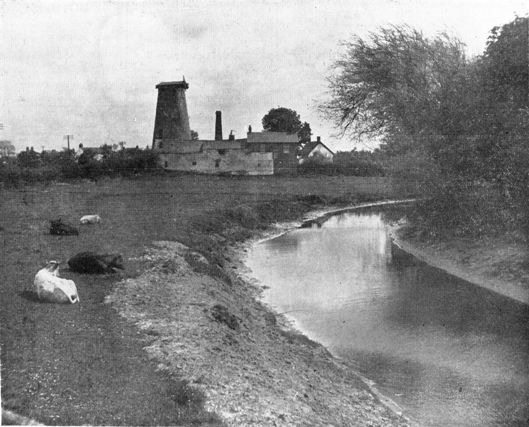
(89, 68)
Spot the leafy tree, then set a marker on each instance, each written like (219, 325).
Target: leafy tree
(6, 148)
(397, 81)
(455, 128)
(506, 62)
(304, 133)
(283, 119)
(194, 135)
(504, 115)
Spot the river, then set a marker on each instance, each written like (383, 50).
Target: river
(447, 352)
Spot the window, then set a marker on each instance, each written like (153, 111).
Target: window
(221, 151)
(217, 163)
(262, 148)
(166, 164)
(194, 163)
(286, 148)
(160, 144)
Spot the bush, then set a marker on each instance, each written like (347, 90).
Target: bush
(31, 167)
(450, 204)
(463, 209)
(352, 163)
(28, 159)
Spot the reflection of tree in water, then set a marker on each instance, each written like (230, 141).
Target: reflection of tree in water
(385, 214)
(426, 296)
(286, 242)
(400, 258)
(394, 213)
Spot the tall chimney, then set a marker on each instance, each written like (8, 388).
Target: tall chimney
(172, 120)
(218, 126)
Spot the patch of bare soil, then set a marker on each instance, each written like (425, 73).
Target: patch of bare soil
(500, 264)
(212, 331)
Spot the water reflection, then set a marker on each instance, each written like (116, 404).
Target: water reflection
(450, 353)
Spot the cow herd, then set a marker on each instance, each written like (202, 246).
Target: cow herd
(49, 287)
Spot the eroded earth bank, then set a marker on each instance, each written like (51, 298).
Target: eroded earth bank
(214, 332)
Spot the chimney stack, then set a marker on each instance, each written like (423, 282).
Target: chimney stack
(218, 126)
(318, 139)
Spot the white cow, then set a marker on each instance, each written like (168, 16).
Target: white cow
(50, 287)
(90, 219)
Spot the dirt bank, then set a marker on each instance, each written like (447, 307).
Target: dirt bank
(500, 264)
(216, 334)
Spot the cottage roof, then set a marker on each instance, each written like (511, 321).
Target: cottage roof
(272, 137)
(310, 146)
(225, 144)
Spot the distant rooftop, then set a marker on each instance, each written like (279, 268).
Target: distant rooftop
(272, 137)
(181, 83)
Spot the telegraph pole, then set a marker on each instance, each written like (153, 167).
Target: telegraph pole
(527, 45)
(67, 138)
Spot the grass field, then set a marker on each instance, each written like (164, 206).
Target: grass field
(83, 364)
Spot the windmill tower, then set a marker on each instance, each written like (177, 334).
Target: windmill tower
(172, 121)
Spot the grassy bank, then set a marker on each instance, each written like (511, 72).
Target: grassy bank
(60, 363)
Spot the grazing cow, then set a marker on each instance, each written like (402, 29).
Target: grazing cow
(48, 286)
(90, 219)
(61, 228)
(91, 263)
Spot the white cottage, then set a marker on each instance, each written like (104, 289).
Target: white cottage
(318, 149)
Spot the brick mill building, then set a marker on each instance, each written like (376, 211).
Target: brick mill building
(260, 153)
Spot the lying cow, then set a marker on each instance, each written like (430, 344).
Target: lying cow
(91, 263)
(90, 219)
(49, 287)
(60, 228)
